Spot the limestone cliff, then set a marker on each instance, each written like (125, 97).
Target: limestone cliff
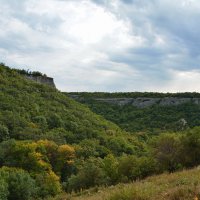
(42, 79)
(142, 102)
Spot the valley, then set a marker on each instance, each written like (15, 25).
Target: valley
(53, 146)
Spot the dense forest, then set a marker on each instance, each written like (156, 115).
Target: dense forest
(50, 144)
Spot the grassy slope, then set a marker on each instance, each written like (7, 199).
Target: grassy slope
(183, 185)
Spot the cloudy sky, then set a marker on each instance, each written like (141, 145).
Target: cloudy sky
(105, 45)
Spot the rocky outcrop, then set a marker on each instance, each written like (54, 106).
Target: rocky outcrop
(142, 102)
(42, 79)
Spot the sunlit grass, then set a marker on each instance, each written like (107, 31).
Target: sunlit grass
(183, 185)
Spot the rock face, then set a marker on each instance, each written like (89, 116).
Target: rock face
(142, 102)
(42, 79)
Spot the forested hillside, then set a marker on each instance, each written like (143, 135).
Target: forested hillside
(154, 119)
(46, 137)
(51, 144)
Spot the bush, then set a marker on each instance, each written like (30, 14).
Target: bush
(3, 189)
(4, 134)
(48, 184)
(90, 174)
(16, 184)
(128, 167)
(110, 167)
(166, 151)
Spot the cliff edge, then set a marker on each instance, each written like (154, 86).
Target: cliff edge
(42, 79)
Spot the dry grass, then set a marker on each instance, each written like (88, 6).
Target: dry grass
(183, 185)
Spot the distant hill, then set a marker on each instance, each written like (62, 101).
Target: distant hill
(134, 94)
(138, 111)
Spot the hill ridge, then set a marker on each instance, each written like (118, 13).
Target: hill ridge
(142, 102)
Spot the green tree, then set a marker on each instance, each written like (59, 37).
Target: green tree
(147, 166)
(90, 174)
(4, 133)
(3, 189)
(20, 185)
(48, 183)
(190, 147)
(54, 121)
(166, 150)
(128, 167)
(110, 167)
(41, 121)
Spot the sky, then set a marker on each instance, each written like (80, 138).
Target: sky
(105, 45)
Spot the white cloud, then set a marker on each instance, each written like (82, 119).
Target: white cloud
(85, 30)
(105, 45)
(184, 81)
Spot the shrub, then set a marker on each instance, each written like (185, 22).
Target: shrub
(90, 174)
(48, 184)
(4, 134)
(16, 184)
(3, 189)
